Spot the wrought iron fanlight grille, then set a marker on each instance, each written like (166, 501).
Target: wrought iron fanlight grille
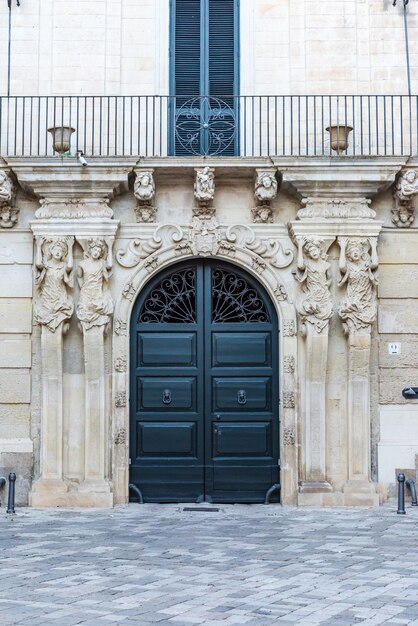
(174, 299)
(234, 300)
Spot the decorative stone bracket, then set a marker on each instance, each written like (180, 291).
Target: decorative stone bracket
(403, 215)
(9, 214)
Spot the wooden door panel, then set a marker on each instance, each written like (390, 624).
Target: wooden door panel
(166, 439)
(166, 394)
(242, 439)
(241, 394)
(166, 349)
(241, 349)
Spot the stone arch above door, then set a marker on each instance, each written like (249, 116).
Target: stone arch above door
(266, 260)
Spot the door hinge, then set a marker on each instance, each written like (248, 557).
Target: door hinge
(279, 463)
(130, 462)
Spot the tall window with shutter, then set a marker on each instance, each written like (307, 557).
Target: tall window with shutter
(204, 77)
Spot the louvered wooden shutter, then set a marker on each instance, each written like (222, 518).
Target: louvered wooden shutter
(222, 61)
(187, 53)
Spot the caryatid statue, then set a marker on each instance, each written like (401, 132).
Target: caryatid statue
(54, 276)
(95, 304)
(359, 272)
(312, 272)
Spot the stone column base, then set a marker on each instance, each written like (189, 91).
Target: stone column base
(55, 493)
(354, 493)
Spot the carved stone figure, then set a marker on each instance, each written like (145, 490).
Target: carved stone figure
(54, 265)
(145, 214)
(8, 216)
(265, 190)
(144, 191)
(262, 214)
(313, 273)
(204, 187)
(95, 305)
(403, 215)
(266, 186)
(359, 271)
(144, 186)
(6, 189)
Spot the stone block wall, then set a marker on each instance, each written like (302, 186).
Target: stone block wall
(16, 447)
(122, 47)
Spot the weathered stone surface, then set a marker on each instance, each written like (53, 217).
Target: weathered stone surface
(14, 388)
(408, 356)
(16, 248)
(391, 383)
(398, 316)
(15, 352)
(16, 281)
(398, 248)
(15, 315)
(14, 420)
(397, 282)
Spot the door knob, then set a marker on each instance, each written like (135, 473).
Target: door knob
(167, 396)
(217, 416)
(242, 396)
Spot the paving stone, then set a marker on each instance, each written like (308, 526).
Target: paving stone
(255, 565)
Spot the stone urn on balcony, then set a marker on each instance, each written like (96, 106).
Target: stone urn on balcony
(339, 136)
(61, 138)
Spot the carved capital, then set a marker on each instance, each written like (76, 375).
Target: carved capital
(335, 208)
(74, 209)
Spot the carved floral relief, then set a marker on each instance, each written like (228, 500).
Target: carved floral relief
(54, 277)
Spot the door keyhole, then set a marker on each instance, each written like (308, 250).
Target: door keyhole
(242, 396)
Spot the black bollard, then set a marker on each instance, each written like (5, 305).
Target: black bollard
(401, 494)
(11, 498)
(411, 484)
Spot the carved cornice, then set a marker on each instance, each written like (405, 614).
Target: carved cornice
(335, 208)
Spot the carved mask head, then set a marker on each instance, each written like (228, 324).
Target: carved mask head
(58, 250)
(355, 251)
(96, 248)
(313, 249)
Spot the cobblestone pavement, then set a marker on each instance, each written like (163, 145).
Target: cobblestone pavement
(250, 565)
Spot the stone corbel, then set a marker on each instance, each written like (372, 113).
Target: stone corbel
(265, 190)
(204, 192)
(9, 214)
(144, 192)
(406, 188)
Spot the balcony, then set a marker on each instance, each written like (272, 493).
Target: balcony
(244, 126)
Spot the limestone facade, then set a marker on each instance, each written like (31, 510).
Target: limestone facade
(335, 265)
(333, 240)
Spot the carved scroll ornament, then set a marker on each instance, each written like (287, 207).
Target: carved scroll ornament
(359, 272)
(54, 276)
(313, 273)
(270, 250)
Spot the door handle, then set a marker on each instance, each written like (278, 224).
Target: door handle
(167, 396)
(242, 396)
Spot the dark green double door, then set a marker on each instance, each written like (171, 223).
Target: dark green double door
(204, 387)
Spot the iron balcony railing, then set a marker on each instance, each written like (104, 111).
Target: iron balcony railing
(248, 126)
